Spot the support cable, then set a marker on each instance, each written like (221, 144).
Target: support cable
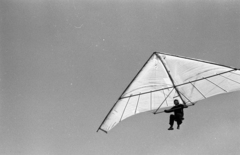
(163, 101)
(174, 86)
(187, 98)
(165, 96)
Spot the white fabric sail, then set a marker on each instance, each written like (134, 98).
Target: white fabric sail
(166, 77)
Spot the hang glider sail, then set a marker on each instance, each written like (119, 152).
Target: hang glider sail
(166, 77)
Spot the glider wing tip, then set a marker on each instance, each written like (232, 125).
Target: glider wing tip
(102, 130)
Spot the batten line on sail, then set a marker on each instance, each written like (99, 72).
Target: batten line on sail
(137, 104)
(215, 84)
(230, 79)
(204, 77)
(198, 90)
(125, 109)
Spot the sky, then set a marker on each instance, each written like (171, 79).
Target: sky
(64, 63)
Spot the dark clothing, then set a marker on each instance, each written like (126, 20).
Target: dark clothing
(175, 118)
(178, 114)
(178, 110)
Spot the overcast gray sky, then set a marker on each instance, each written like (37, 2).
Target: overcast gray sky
(64, 63)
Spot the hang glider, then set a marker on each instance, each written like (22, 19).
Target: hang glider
(166, 77)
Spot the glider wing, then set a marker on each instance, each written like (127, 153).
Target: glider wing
(166, 77)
